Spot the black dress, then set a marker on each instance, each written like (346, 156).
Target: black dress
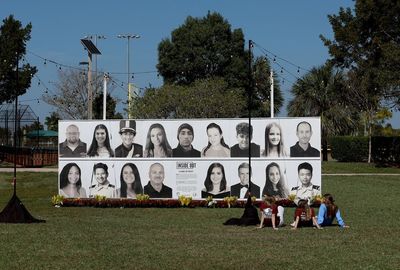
(205, 194)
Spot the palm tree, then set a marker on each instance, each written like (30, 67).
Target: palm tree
(51, 121)
(323, 92)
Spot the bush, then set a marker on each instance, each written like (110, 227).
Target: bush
(349, 148)
(386, 151)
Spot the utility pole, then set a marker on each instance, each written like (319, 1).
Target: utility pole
(91, 49)
(128, 37)
(95, 37)
(250, 101)
(271, 78)
(105, 79)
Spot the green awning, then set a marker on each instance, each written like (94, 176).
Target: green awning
(42, 133)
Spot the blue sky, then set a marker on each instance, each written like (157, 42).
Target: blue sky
(288, 29)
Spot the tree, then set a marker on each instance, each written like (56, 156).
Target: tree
(322, 92)
(36, 125)
(203, 48)
(367, 42)
(13, 39)
(203, 99)
(110, 110)
(208, 49)
(52, 121)
(370, 110)
(70, 96)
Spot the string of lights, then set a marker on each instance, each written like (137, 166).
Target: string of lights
(115, 82)
(275, 56)
(60, 66)
(120, 83)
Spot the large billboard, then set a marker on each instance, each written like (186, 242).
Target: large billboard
(191, 157)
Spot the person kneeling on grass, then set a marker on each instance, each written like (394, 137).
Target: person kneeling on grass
(304, 216)
(271, 214)
(328, 211)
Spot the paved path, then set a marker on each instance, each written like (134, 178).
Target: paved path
(353, 174)
(29, 169)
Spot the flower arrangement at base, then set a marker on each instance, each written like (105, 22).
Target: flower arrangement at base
(210, 202)
(142, 197)
(230, 200)
(317, 199)
(185, 201)
(143, 200)
(57, 200)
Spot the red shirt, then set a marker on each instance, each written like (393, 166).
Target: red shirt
(302, 214)
(268, 209)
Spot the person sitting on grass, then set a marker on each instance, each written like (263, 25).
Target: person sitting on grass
(304, 216)
(328, 211)
(271, 214)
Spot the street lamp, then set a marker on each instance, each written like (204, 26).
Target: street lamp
(128, 37)
(91, 49)
(95, 37)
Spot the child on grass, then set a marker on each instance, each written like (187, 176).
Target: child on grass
(328, 211)
(304, 216)
(271, 214)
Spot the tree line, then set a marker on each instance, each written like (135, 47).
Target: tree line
(206, 67)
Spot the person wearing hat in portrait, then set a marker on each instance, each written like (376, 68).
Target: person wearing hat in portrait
(185, 137)
(103, 186)
(306, 191)
(127, 130)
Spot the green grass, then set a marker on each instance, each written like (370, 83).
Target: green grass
(150, 238)
(355, 167)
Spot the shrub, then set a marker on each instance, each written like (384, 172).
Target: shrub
(386, 151)
(349, 148)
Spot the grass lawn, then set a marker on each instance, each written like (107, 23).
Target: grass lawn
(355, 167)
(150, 238)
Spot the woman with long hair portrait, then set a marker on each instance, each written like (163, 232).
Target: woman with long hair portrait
(274, 146)
(275, 185)
(131, 184)
(100, 146)
(216, 146)
(215, 183)
(70, 182)
(157, 143)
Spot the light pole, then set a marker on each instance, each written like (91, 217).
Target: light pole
(128, 37)
(95, 37)
(91, 49)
